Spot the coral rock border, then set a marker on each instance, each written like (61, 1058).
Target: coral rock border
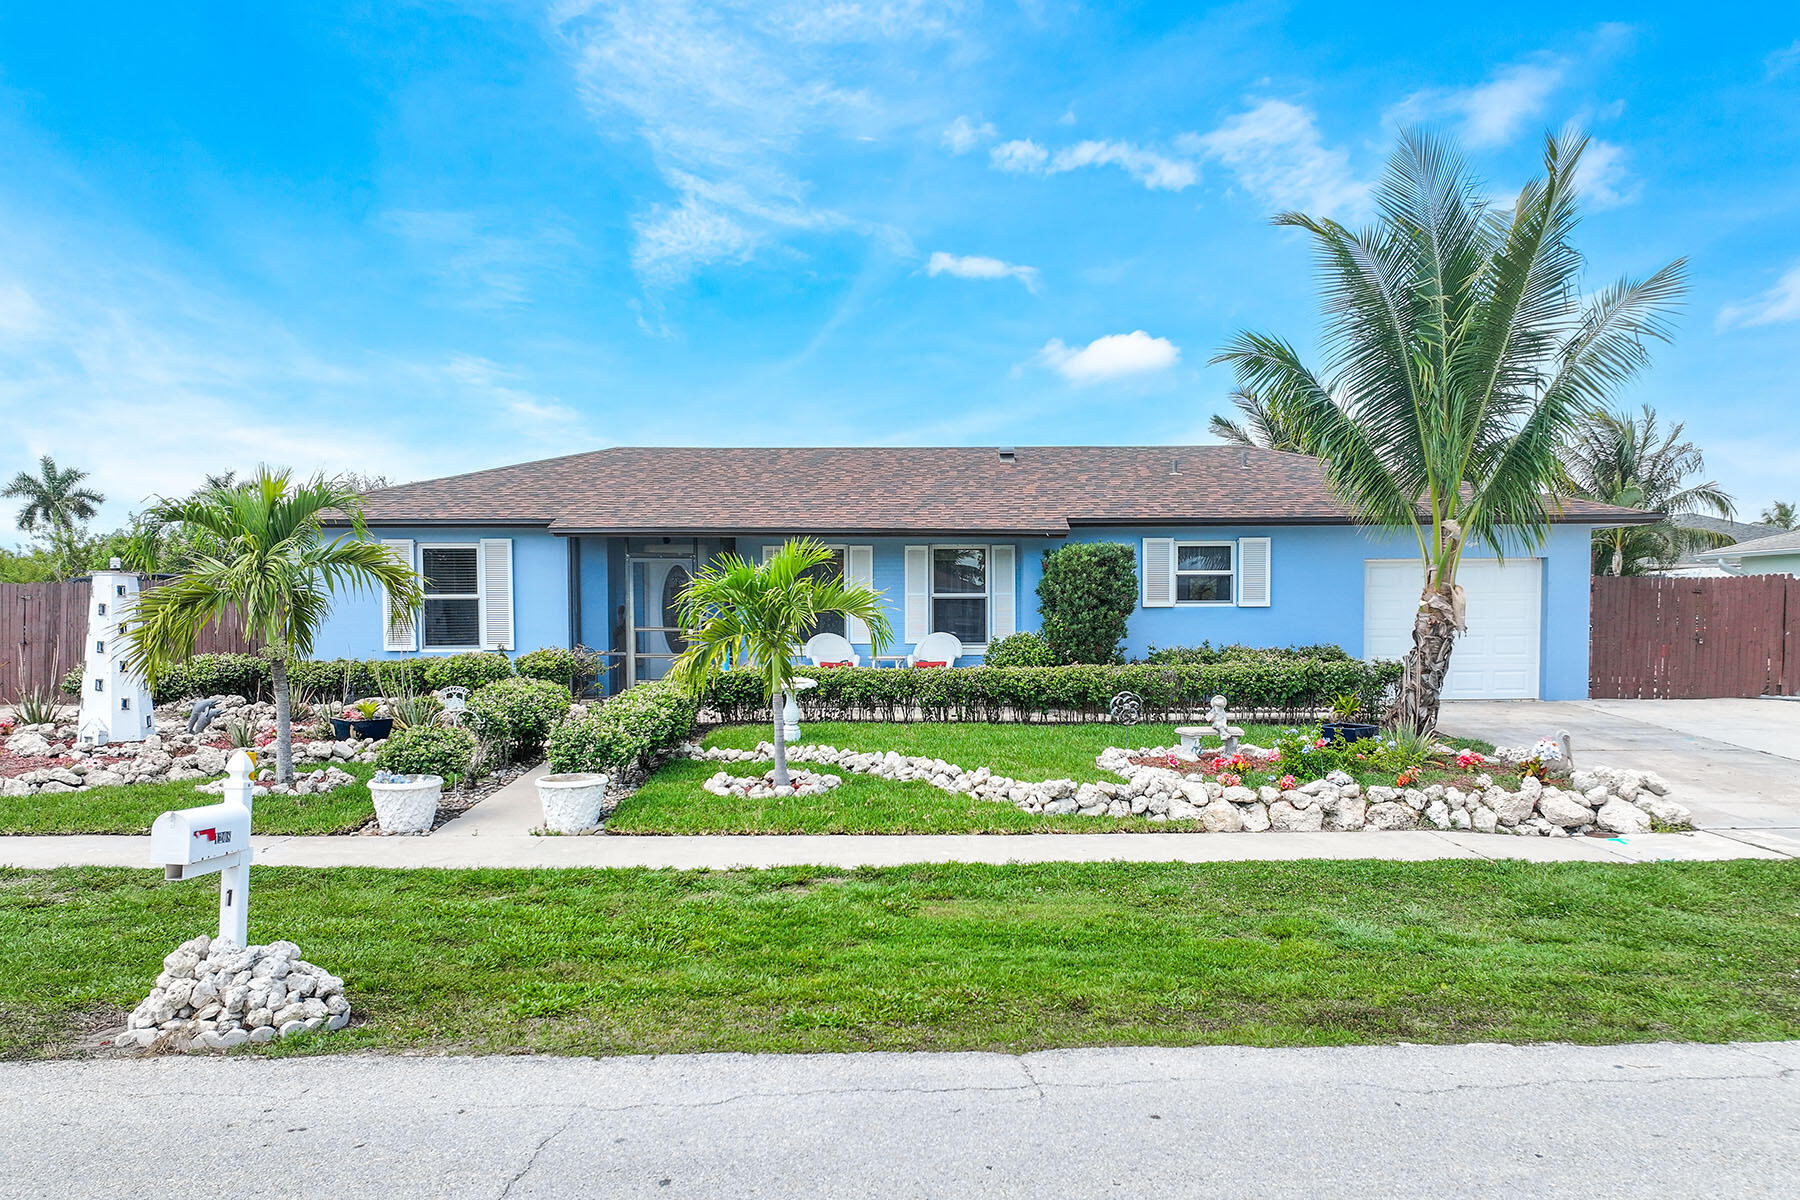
(1602, 799)
(216, 995)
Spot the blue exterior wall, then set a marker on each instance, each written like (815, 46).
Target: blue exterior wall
(540, 594)
(1316, 592)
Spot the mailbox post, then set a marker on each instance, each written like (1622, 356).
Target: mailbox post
(214, 838)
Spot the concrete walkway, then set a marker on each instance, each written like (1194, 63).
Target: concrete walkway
(1388, 1122)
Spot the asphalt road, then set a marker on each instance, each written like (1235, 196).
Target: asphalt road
(1389, 1122)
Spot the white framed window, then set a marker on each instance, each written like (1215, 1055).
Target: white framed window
(960, 593)
(1205, 573)
(451, 616)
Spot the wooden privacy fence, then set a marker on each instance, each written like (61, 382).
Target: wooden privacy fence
(1689, 639)
(43, 632)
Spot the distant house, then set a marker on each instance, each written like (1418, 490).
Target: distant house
(1691, 565)
(1777, 554)
(1232, 545)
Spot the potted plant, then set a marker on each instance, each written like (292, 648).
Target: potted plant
(1344, 726)
(359, 721)
(410, 772)
(572, 800)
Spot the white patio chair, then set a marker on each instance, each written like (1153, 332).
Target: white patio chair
(943, 648)
(456, 703)
(830, 649)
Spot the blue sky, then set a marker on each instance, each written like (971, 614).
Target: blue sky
(425, 238)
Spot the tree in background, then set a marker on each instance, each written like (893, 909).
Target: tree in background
(1461, 351)
(1617, 458)
(1782, 515)
(736, 613)
(272, 571)
(54, 498)
(1087, 594)
(1260, 428)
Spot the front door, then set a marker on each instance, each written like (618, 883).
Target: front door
(654, 613)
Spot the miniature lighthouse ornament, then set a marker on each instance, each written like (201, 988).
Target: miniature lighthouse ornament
(115, 703)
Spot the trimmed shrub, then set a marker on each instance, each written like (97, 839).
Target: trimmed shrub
(1088, 592)
(428, 750)
(1267, 689)
(473, 671)
(245, 675)
(624, 733)
(558, 664)
(1020, 650)
(522, 712)
(1206, 653)
(346, 679)
(71, 681)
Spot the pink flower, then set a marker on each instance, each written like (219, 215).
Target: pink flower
(1469, 758)
(1227, 779)
(1286, 782)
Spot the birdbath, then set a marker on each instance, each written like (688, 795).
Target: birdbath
(790, 712)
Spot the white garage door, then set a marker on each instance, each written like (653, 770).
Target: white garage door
(1497, 659)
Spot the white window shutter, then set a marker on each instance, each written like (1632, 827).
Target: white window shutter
(1253, 572)
(1159, 572)
(859, 571)
(496, 594)
(918, 593)
(399, 629)
(1003, 599)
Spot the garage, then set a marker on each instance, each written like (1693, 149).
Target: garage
(1497, 659)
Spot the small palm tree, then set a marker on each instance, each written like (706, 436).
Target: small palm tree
(1620, 459)
(1460, 356)
(271, 569)
(1782, 515)
(737, 613)
(54, 499)
(1260, 427)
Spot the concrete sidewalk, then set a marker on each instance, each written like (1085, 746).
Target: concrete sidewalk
(1386, 1122)
(780, 850)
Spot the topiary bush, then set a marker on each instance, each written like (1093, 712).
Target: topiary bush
(474, 670)
(1020, 650)
(520, 712)
(428, 750)
(624, 733)
(559, 664)
(1088, 592)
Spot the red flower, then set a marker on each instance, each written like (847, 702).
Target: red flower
(1286, 782)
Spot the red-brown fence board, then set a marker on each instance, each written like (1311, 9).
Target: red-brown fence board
(1684, 639)
(43, 630)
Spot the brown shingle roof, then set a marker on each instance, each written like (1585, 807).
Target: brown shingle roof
(935, 489)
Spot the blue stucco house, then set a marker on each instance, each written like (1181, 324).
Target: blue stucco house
(1233, 545)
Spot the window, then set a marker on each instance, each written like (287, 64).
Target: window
(451, 619)
(829, 572)
(1203, 573)
(959, 593)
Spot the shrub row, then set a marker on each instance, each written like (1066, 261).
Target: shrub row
(625, 732)
(1206, 652)
(329, 680)
(1263, 689)
(519, 713)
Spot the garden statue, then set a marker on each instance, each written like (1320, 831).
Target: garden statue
(200, 718)
(1127, 708)
(1228, 733)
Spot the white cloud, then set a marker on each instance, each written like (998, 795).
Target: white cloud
(976, 266)
(1276, 152)
(1778, 305)
(963, 135)
(1492, 112)
(1602, 178)
(485, 260)
(1114, 356)
(728, 99)
(1782, 61)
(1153, 169)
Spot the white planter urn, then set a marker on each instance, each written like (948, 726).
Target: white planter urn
(407, 803)
(572, 802)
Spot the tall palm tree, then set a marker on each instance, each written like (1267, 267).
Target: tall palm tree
(1625, 460)
(54, 499)
(272, 570)
(1260, 426)
(1459, 354)
(1782, 515)
(735, 612)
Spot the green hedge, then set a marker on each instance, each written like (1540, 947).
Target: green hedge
(428, 750)
(330, 680)
(1267, 689)
(1206, 652)
(625, 732)
(559, 664)
(519, 712)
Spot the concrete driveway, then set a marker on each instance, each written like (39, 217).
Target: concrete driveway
(1736, 763)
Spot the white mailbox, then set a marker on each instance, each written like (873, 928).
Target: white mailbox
(191, 842)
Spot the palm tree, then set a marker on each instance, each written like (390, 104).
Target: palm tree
(1620, 459)
(736, 612)
(1260, 427)
(271, 569)
(1459, 356)
(1782, 515)
(54, 499)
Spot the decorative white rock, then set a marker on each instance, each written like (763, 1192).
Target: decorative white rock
(572, 801)
(178, 1014)
(407, 805)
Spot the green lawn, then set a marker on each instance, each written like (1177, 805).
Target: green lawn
(671, 800)
(130, 808)
(951, 957)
